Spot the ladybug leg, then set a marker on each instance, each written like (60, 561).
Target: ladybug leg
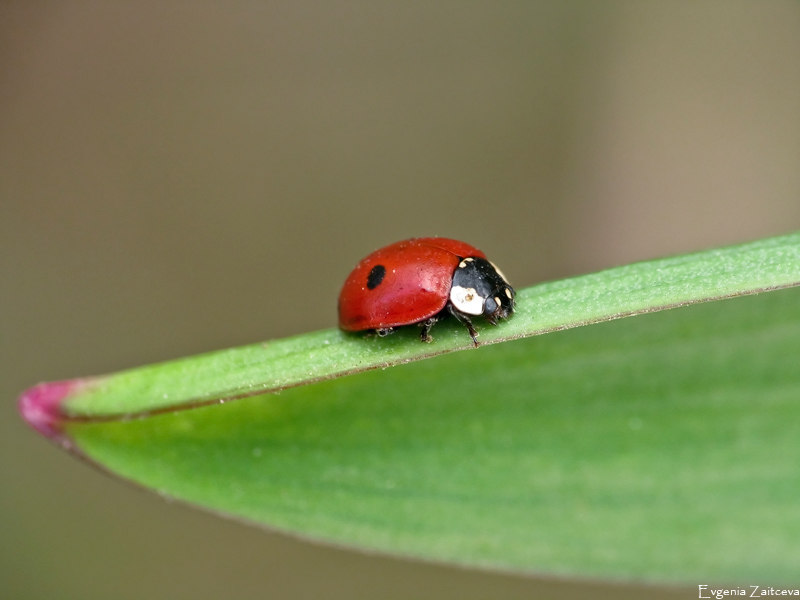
(464, 320)
(425, 335)
(383, 332)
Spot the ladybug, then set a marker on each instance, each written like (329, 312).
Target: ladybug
(420, 281)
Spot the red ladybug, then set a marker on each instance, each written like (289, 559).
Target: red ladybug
(422, 280)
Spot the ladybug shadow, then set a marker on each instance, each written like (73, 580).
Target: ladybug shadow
(449, 333)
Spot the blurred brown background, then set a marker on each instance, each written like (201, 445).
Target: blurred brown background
(185, 176)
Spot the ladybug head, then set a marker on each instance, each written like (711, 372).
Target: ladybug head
(480, 289)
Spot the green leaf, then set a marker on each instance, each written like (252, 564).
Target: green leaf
(662, 447)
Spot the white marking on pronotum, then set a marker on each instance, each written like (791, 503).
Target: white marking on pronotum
(499, 272)
(465, 262)
(508, 293)
(467, 300)
(497, 300)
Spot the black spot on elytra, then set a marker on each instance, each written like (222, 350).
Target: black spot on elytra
(375, 276)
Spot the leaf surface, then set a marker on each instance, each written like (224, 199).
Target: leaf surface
(662, 447)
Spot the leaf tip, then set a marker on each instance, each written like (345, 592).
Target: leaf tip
(40, 406)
